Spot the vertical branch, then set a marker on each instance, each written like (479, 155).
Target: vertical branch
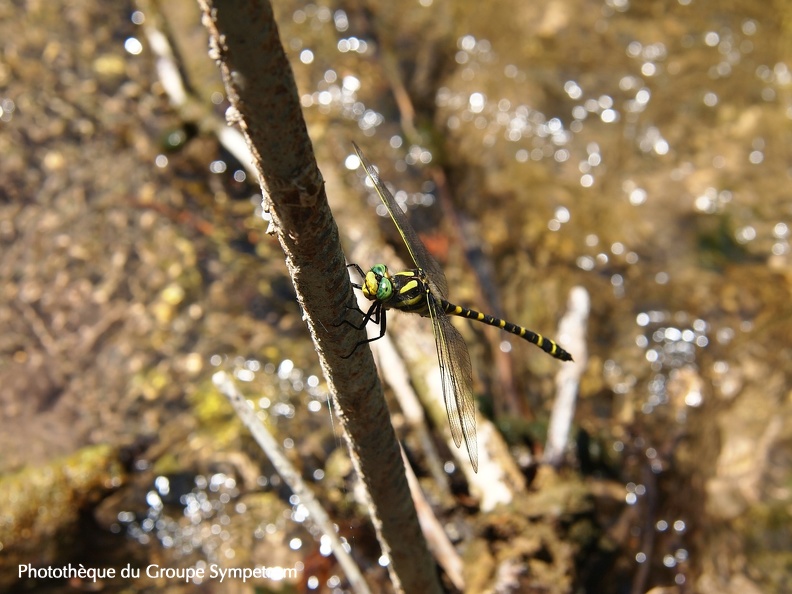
(260, 85)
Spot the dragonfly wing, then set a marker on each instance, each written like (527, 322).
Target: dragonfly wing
(452, 353)
(420, 255)
(457, 381)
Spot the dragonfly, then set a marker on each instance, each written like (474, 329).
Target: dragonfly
(423, 290)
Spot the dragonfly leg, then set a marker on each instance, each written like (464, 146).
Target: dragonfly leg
(367, 316)
(359, 271)
(376, 314)
(353, 308)
(372, 315)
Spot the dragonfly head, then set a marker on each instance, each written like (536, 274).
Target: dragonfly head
(378, 285)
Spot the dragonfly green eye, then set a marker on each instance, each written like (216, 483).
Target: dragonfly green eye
(385, 289)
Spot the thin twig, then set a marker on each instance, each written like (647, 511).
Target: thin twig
(292, 478)
(572, 334)
(439, 544)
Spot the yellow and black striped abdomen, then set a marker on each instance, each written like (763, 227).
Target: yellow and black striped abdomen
(547, 345)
